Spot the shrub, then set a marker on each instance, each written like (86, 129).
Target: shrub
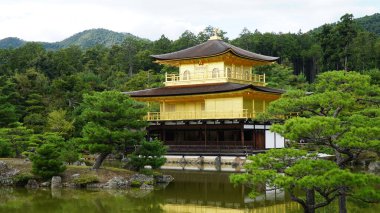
(22, 179)
(5, 148)
(47, 161)
(149, 153)
(69, 156)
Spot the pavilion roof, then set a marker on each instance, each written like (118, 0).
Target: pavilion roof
(199, 89)
(213, 48)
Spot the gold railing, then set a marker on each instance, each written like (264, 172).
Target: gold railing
(212, 76)
(157, 116)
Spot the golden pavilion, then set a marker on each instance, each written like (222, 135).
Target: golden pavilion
(211, 104)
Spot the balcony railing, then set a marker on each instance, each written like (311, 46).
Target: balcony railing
(158, 116)
(214, 76)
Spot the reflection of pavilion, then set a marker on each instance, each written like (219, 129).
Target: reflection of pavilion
(218, 194)
(210, 106)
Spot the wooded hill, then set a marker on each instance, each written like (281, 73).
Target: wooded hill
(85, 39)
(92, 37)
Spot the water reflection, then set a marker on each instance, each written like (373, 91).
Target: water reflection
(192, 191)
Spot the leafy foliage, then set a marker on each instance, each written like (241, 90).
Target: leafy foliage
(17, 138)
(113, 121)
(148, 153)
(47, 162)
(56, 122)
(294, 171)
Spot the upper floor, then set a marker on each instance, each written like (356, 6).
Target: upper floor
(214, 72)
(214, 62)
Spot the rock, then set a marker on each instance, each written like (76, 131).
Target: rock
(56, 193)
(116, 183)
(45, 184)
(147, 167)
(94, 185)
(32, 184)
(374, 166)
(79, 163)
(75, 176)
(7, 174)
(56, 182)
(164, 178)
(146, 187)
(237, 162)
(139, 193)
(70, 185)
(140, 178)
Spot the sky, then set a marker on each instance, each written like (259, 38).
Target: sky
(55, 20)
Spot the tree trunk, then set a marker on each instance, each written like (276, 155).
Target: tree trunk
(309, 209)
(342, 201)
(310, 201)
(99, 160)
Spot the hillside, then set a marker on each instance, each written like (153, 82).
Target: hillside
(92, 37)
(89, 38)
(370, 23)
(85, 39)
(11, 42)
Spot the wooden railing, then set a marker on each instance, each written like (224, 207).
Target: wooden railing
(210, 76)
(193, 115)
(207, 149)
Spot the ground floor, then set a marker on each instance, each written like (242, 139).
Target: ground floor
(216, 136)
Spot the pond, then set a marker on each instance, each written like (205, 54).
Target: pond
(192, 191)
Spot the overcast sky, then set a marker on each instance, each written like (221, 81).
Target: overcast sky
(55, 20)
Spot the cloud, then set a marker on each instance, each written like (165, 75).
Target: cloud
(43, 20)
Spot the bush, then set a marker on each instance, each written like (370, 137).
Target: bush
(86, 179)
(149, 153)
(69, 156)
(22, 179)
(5, 148)
(47, 161)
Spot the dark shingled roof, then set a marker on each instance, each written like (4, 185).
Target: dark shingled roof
(213, 48)
(199, 89)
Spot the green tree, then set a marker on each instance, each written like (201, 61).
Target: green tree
(18, 137)
(57, 122)
(347, 31)
(8, 111)
(5, 148)
(319, 181)
(46, 162)
(204, 35)
(143, 80)
(148, 153)
(70, 150)
(112, 121)
(186, 40)
(32, 87)
(281, 77)
(341, 114)
(37, 140)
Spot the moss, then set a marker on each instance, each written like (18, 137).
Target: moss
(86, 179)
(150, 172)
(149, 182)
(136, 183)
